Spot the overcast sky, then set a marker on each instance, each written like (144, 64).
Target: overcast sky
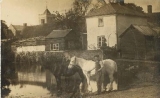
(26, 11)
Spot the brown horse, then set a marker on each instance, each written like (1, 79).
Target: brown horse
(61, 69)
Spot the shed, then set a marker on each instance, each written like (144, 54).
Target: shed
(59, 40)
(137, 42)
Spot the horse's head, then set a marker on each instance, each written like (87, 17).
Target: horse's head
(72, 62)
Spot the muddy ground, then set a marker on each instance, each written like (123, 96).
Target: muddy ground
(143, 90)
(146, 90)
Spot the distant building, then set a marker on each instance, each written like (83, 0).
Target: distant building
(60, 40)
(109, 22)
(154, 22)
(29, 45)
(33, 38)
(153, 17)
(17, 29)
(46, 17)
(37, 30)
(138, 42)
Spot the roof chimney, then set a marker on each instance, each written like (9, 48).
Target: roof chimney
(149, 8)
(25, 24)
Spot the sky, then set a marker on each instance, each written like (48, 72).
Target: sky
(18, 12)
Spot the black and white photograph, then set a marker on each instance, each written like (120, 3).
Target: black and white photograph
(80, 48)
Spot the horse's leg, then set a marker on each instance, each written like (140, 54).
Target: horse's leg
(115, 81)
(83, 80)
(88, 82)
(66, 83)
(76, 90)
(104, 82)
(58, 80)
(111, 82)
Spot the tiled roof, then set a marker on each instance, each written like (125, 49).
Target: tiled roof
(144, 29)
(18, 27)
(38, 30)
(115, 8)
(58, 33)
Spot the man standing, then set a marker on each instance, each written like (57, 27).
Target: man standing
(98, 69)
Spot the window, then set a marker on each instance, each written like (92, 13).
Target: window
(42, 21)
(54, 47)
(100, 22)
(100, 41)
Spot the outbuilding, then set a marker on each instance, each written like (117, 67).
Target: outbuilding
(138, 42)
(60, 40)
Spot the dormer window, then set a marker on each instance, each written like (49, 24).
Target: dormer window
(100, 22)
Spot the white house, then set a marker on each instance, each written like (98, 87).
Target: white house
(109, 22)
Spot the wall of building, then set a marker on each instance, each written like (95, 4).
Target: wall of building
(112, 24)
(54, 41)
(93, 30)
(30, 48)
(133, 45)
(47, 18)
(124, 21)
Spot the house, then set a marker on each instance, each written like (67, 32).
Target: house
(108, 22)
(138, 42)
(60, 40)
(17, 29)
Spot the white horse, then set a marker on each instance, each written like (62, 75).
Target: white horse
(109, 67)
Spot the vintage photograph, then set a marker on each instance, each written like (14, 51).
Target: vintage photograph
(80, 48)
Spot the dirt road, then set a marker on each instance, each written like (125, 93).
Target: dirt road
(149, 91)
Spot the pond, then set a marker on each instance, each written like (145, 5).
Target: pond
(31, 81)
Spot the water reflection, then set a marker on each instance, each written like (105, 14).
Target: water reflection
(31, 81)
